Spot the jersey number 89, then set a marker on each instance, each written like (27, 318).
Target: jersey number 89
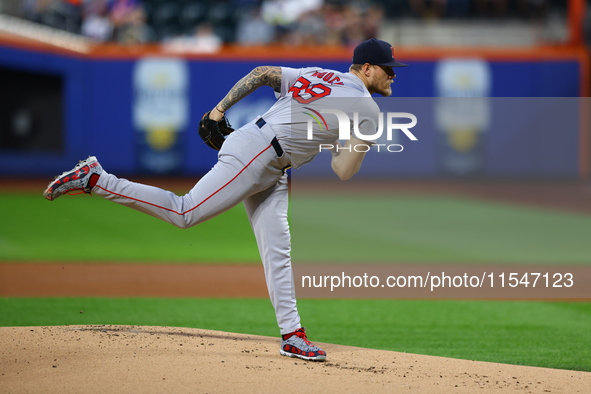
(304, 91)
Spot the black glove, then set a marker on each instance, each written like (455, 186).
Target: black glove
(214, 133)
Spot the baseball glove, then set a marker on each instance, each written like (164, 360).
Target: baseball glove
(214, 133)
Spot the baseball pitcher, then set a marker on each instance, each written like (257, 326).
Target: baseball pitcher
(252, 161)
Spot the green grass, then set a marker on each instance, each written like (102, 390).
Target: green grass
(544, 334)
(92, 229)
(325, 229)
(434, 229)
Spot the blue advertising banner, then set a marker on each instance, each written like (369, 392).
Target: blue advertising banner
(99, 98)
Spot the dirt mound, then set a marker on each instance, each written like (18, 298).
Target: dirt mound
(93, 359)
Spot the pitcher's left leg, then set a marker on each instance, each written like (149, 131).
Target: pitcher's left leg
(267, 212)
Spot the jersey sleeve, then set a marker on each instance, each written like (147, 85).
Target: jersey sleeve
(368, 117)
(288, 78)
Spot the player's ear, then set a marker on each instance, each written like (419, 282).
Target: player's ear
(366, 68)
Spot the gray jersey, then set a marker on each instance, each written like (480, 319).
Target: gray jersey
(307, 96)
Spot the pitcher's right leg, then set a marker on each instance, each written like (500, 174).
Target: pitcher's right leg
(234, 177)
(241, 171)
(219, 190)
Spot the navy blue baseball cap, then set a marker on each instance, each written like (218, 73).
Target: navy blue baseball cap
(377, 52)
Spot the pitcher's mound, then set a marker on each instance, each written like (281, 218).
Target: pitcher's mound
(139, 359)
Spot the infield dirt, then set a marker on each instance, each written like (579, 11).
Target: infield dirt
(133, 359)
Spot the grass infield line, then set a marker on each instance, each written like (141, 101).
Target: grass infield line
(543, 334)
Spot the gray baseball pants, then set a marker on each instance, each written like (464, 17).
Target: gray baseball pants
(248, 170)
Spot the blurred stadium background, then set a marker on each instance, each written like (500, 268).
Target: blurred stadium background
(128, 80)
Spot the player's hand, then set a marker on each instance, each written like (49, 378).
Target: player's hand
(216, 115)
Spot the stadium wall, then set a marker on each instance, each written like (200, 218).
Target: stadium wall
(100, 94)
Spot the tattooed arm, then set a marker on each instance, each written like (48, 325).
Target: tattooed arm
(262, 75)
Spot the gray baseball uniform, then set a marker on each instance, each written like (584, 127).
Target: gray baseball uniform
(251, 169)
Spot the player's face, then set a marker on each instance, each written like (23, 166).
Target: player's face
(383, 77)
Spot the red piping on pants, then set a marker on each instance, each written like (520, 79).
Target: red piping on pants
(198, 205)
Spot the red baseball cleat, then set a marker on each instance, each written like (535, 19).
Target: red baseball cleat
(296, 344)
(81, 178)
